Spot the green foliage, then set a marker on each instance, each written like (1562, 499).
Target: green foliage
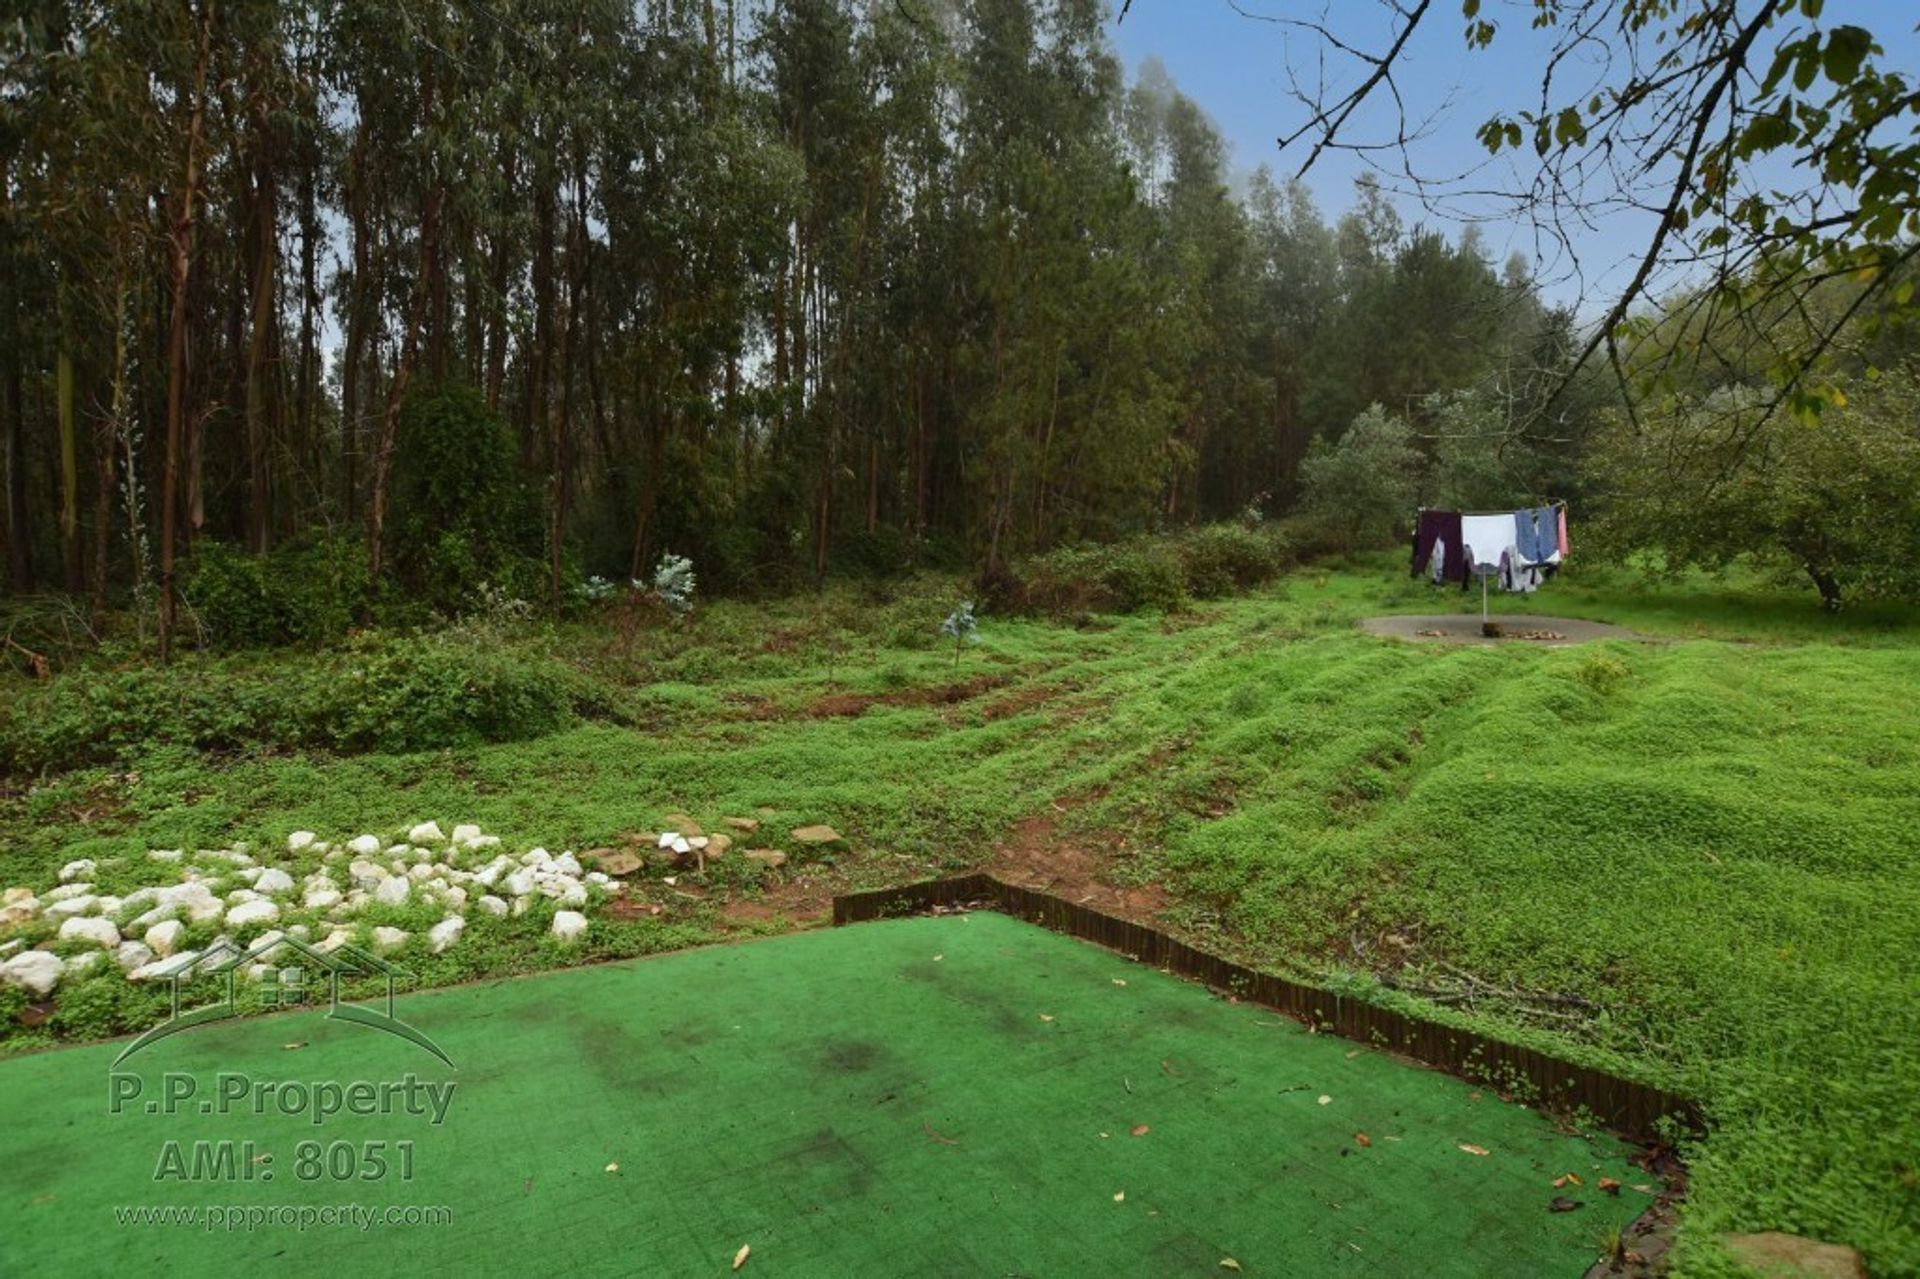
(379, 692)
(309, 591)
(461, 516)
(1707, 483)
(1143, 573)
(1360, 488)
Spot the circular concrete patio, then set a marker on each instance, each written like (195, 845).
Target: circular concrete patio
(1516, 628)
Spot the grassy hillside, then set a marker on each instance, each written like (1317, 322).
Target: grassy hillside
(1693, 860)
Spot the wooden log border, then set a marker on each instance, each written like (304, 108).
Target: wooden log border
(1633, 1110)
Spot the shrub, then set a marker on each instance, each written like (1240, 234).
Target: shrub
(306, 592)
(1219, 559)
(379, 693)
(1148, 572)
(461, 514)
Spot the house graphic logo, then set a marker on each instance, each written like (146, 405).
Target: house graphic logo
(293, 974)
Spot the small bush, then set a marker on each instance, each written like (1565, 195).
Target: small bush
(379, 693)
(306, 592)
(1151, 572)
(1220, 559)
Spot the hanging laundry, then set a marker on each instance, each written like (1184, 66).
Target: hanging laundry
(1563, 530)
(1536, 535)
(1438, 529)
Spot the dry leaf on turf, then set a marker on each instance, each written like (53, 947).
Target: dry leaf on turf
(1228, 1263)
(613, 1167)
(1361, 1139)
(1119, 1195)
(1141, 1130)
(1118, 982)
(1046, 1016)
(1325, 1100)
(740, 1258)
(1473, 1150)
(297, 1044)
(1609, 1185)
(1567, 1179)
(1562, 1204)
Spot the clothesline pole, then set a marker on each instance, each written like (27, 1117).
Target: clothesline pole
(1483, 601)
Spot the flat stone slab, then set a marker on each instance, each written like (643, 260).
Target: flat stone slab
(1517, 628)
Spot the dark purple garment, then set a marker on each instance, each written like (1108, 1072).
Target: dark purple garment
(1442, 526)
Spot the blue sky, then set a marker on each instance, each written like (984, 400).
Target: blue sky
(1235, 66)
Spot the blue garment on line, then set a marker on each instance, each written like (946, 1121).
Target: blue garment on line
(1536, 534)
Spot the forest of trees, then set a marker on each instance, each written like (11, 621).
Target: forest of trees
(783, 285)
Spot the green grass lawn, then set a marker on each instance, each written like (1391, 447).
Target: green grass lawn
(1712, 841)
(949, 1096)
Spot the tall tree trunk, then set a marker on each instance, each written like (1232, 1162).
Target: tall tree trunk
(106, 443)
(69, 472)
(307, 376)
(182, 241)
(501, 278)
(261, 397)
(361, 225)
(13, 433)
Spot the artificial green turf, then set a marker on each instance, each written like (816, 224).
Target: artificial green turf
(953, 1095)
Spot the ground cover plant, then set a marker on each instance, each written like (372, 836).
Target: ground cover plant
(1689, 860)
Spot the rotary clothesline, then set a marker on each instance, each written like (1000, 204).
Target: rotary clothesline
(1522, 547)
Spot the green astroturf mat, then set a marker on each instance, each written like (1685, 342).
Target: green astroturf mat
(932, 1096)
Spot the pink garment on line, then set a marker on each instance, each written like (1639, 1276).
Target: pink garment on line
(1563, 532)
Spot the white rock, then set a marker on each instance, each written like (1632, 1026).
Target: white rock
(38, 971)
(158, 915)
(249, 874)
(355, 902)
(520, 883)
(80, 868)
(109, 905)
(568, 891)
(267, 940)
(363, 845)
(389, 939)
(233, 855)
(7, 948)
(67, 892)
(164, 937)
(492, 871)
(301, 931)
(465, 834)
(426, 833)
(568, 864)
(334, 941)
(100, 932)
(165, 966)
(322, 898)
(141, 896)
(680, 844)
(598, 877)
(364, 874)
(196, 899)
(273, 882)
(453, 898)
(393, 891)
(240, 895)
(569, 925)
(667, 837)
(493, 905)
(445, 933)
(72, 906)
(536, 857)
(483, 841)
(131, 955)
(420, 874)
(423, 856)
(166, 854)
(247, 914)
(300, 841)
(18, 913)
(400, 850)
(521, 905)
(85, 962)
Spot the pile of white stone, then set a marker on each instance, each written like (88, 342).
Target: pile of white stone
(314, 894)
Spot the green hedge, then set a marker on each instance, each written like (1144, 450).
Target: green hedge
(1151, 572)
(377, 693)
